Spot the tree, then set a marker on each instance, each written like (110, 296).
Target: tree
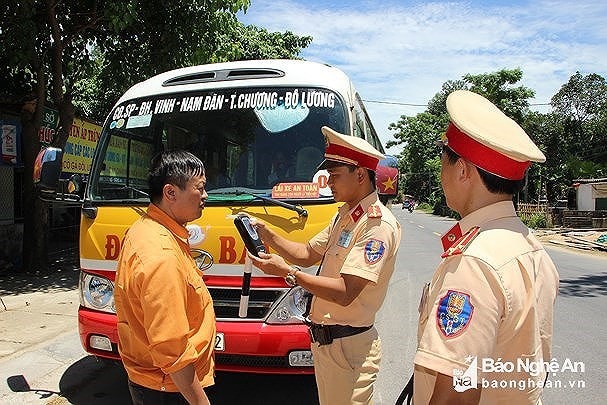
(438, 105)
(40, 41)
(250, 42)
(547, 132)
(418, 134)
(498, 88)
(581, 104)
(58, 44)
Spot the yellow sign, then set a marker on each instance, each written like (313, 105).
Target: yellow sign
(116, 156)
(80, 146)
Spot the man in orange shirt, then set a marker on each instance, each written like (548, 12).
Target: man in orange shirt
(166, 321)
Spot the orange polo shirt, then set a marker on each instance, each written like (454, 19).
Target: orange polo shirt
(165, 312)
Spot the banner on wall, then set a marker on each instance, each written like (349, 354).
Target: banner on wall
(10, 134)
(48, 125)
(80, 146)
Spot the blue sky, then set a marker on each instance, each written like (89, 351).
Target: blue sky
(403, 51)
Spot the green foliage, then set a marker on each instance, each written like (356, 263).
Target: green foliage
(107, 47)
(497, 87)
(536, 220)
(573, 136)
(419, 160)
(249, 42)
(420, 155)
(581, 105)
(438, 105)
(230, 41)
(581, 98)
(425, 207)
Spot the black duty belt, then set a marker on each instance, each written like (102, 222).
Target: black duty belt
(324, 334)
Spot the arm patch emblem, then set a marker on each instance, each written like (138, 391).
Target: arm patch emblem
(454, 313)
(374, 251)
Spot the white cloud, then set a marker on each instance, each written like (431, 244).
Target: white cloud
(405, 52)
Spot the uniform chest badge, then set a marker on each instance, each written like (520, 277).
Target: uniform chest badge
(344, 239)
(454, 313)
(374, 251)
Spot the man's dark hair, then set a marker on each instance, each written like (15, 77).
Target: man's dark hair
(351, 168)
(172, 167)
(494, 184)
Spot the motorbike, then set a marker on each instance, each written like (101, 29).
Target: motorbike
(408, 205)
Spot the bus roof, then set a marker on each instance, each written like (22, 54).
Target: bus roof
(251, 73)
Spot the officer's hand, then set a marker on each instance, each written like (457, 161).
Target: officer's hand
(270, 263)
(262, 229)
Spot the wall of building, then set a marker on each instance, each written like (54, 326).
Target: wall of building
(591, 196)
(585, 201)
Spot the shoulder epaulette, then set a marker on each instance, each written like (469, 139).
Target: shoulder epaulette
(460, 246)
(374, 211)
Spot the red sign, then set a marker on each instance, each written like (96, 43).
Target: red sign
(295, 190)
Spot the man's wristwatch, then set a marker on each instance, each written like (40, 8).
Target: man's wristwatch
(290, 278)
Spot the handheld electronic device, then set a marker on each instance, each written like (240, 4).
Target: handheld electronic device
(249, 235)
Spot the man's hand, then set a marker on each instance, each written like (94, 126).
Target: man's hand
(265, 233)
(189, 386)
(270, 263)
(342, 290)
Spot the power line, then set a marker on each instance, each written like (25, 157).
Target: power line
(395, 103)
(419, 105)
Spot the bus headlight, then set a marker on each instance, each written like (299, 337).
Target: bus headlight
(97, 293)
(290, 309)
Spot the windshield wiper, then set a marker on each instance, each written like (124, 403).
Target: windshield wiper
(301, 211)
(135, 189)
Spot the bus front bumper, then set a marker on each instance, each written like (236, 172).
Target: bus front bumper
(249, 347)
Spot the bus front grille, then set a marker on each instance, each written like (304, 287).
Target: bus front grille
(226, 302)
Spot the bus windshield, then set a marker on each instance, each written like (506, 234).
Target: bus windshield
(249, 139)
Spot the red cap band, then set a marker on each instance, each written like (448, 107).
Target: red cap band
(484, 157)
(362, 159)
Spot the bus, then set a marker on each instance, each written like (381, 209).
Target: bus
(256, 126)
(386, 179)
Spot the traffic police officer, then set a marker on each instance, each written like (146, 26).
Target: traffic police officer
(491, 299)
(357, 251)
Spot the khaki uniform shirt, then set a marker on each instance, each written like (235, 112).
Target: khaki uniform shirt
(165, 312)
(491, 300)
(362, 242)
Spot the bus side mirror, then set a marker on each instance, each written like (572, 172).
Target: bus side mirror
(47, 169)
(75, 185)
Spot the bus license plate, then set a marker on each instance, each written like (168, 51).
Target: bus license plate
(219, 342)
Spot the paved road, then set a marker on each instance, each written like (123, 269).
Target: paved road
(40, 353)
